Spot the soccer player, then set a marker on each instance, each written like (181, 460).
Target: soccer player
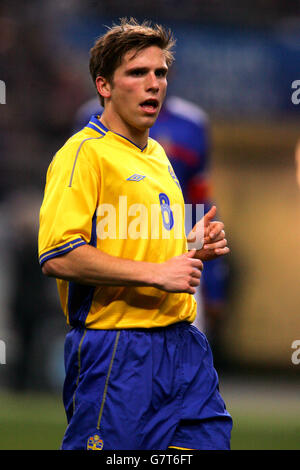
(182, 128)
(138, 374)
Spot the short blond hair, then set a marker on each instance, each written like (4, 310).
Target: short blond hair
(108, 51)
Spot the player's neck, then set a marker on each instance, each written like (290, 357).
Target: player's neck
(115, 124)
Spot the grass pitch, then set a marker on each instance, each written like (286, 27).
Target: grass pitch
(262, 421)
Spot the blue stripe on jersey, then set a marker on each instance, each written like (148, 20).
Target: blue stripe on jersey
(80, 296)
(140, 148)
(61, 250)
(98, 124)
(92, 126)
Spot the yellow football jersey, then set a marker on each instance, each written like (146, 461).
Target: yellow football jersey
(103, 190)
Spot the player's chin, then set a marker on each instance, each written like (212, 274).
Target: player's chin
(147, 122)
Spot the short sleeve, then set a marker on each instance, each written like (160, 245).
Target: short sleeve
(70, 202)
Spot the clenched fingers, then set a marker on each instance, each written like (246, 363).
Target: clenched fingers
(196, 273)
(222, 251)
(215, 229)
(197, 263)
(216, 245)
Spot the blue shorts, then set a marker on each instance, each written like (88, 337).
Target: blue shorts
(143, 389)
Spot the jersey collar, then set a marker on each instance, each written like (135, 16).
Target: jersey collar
(96, 124)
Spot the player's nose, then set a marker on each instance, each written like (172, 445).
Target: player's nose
(152, 83)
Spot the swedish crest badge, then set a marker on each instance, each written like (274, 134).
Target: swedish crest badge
(94, 443)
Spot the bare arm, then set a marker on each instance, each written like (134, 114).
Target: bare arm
(88, 265)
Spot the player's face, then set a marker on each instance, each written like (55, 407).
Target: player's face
(139, 87)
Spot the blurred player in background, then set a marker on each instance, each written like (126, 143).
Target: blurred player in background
(138, 374)
(182, 128)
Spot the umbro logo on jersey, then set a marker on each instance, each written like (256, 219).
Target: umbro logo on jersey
(136, 177)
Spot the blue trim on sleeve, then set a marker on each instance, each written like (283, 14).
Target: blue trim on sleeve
(61, 250)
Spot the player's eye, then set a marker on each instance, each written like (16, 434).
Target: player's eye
(137, 72)
(161, 73)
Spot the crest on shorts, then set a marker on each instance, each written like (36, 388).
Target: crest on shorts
(94, 443)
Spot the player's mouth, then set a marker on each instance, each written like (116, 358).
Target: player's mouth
(150, 106)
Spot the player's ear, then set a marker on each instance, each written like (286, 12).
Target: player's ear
(103, 87)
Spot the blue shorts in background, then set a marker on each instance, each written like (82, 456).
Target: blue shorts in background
(143, 389)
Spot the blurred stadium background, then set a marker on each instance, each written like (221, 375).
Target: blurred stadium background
(237, 60)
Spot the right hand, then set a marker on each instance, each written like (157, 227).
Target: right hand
(180, 274)
(208, 237)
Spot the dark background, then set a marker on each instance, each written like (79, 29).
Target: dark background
(237, 60)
